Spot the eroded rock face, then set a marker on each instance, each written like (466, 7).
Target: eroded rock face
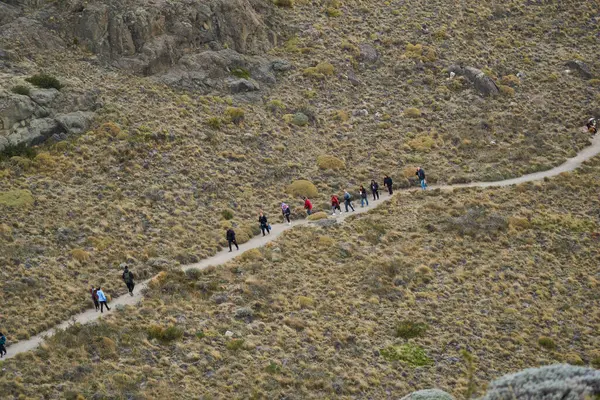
(429, 394)
(484, 84)
(582, 68)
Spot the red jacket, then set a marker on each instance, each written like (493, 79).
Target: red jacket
(335, 201)
(307, 204)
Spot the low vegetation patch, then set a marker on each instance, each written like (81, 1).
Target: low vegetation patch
(44, 81)
(408, 353)
(328, 162)
(16, 198)
(302, 188)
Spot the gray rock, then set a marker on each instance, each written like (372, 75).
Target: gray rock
(368, 53)
(30, 33)
(281, 65)
(243, 85)
(41, 129)
(582, 68)
(484, 84)
(429, 394)
(76, 122)
(43, 97)
(15, 108)
(560, 382)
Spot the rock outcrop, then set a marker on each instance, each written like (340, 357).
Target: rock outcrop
(484, 84)
(581, 68)
(429, 394)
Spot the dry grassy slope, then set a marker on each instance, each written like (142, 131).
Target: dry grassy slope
(139, 197)
(489, 271)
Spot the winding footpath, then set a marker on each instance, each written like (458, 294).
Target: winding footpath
(224, 255)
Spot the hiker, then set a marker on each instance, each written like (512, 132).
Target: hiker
(264, 224)
(347, 202)
(387, 181)
(128, 279)
(308, 206)
(2, 345)
(94, 294)
(102, 299)
(231, 239)
(285, 210)
(421, 174)
(375, 190)
(364, 198)
(335, 204)
(592, 126)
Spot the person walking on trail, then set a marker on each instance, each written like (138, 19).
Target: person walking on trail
(94, 294)
(128, 279)
(231, 239)
(421, 175)
(264, 224)
(2, 345)
(387, 181)
(347, 202)
(335, 204)
(364, 197)
(102, 299)
(308, 206)
(375, 190)
(285, 210)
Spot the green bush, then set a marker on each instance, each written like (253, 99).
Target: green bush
(165, 335)
(45, 81)
(284, 3)
(330, 162)
(240, 73)
(412, 113)
(16, 198)
(21, 89)
(18, 150)
(300, 119)
(547, 343)
(227, 214)
(409, 353)
(235, 114)
(409, 329)
(235, 344)
(302, 188)
(214, 122)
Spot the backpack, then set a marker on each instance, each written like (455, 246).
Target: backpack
(2, 340)
(127, 276)
(347, 196)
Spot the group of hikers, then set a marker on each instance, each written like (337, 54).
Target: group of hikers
(98, 296)
(286, 211)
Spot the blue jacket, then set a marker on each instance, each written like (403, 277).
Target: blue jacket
(101, 295)
(2, 340)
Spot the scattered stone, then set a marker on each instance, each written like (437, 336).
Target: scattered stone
(582, 68)
(229, 334)
(281, 65)
(243, 85)
(368, 53)
(219, 298)
(429, 394)
(43, 97)
(360, 113)
(484, 84)
(76, 122)
(560, 381)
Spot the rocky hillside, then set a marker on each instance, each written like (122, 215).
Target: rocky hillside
(159, 123)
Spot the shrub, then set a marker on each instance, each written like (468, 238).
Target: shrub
(573, 359)
(519, 223)
(546, 343)
(306, 302)
(300, 119)
(420, 52)
(275, 105)
(240, 73)
(235, 114)
(302, 188)
(333, 12)
(506, 91)
(110, 129)
(227, 214)
(320, 71)
(273, 368)
(412, 112)
(80, 255)
(409, 329)
(594, 82)
(17, 198)
(17, 150)
(330, 162)
(317, 216)
(422, 143)
(510, 80)
(477, 221)
(165, 335)
(44, 81)
(214, 122)
(284, 3)
(252, 255)
(234, 344)
(21, 89)
(409, 353)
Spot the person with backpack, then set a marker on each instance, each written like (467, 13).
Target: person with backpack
(102, 299)
(264, 224)
(364, 197)
(347, 202)
(231, 239)
(94, 294)
(2, 345)
(308, 206)
(591, 126)
(128, 279)
(285, 210)
(375, 190)
(335, 204)
(387, 181)
(421, 175)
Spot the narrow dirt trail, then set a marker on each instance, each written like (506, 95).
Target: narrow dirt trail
(224, 255)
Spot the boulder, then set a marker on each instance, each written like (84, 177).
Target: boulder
(15, 108)
(43, 97)
(429, 394)
(243, 85)
(581, 67)
(41, 129)
(76, 122)
(561, 381)
(368, 54)
(484, 84)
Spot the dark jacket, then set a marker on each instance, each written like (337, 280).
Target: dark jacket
(421, 174)
(363, 193)
(374, 186)
(347, 197)
(263, 220)
(387, 181)
(94, 294)
(128, 277)
(230, 235)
